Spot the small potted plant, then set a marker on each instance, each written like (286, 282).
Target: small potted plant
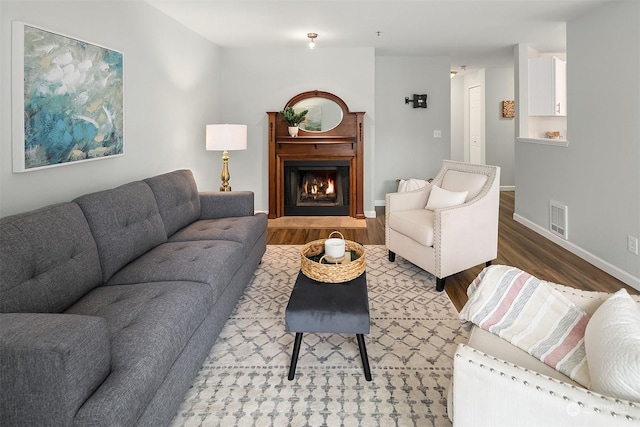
(293, 119)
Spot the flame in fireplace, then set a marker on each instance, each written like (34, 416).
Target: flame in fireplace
(316, 187)
(330, 187)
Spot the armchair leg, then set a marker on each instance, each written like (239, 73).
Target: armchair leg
(440, 284)
(392, 256)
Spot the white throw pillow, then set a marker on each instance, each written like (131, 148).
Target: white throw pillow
(612, 344)
(440, 198)
(411, 184)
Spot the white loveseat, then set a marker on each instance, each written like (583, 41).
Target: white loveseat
(497, 384)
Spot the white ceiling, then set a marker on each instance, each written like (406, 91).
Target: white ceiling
(475, 33)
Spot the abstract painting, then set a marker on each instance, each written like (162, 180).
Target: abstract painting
(67, 100)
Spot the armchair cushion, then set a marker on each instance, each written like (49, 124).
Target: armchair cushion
(416, 224)
(612, 340)
(441, 198)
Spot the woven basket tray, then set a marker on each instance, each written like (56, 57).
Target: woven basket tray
(331, 273)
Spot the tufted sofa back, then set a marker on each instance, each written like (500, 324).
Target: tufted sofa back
(48, 260)
(178, 200)
(125, 223)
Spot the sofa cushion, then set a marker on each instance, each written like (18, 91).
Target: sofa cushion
(49, 365)
(612, 342)
(416, 224)
(242, 229)
(464, 181)
(210, 262)
(48, 259)
(125, 224)
(177, 196)
(149, 325)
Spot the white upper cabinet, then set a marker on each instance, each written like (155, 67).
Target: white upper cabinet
(547, 87)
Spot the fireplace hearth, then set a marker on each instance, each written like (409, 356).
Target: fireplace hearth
(316, 188)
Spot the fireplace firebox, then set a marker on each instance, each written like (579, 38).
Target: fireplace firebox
(316, 188)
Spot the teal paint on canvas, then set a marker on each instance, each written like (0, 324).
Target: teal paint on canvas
(73, 100)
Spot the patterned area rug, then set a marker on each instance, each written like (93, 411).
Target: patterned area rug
(414, 333)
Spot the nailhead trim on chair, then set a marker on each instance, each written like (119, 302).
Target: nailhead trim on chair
(551, 392)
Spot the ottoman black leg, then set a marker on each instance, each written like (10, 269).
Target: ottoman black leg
(294, 356)
(363, 356)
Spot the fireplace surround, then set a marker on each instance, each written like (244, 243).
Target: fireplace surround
(335, 154)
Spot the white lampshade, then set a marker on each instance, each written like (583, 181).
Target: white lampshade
(226, 137)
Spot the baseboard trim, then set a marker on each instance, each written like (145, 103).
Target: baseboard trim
(603, 265)
(370, 214)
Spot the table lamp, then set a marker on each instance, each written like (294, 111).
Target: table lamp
(226, 137)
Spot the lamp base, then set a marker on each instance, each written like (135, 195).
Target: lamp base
(225, 172)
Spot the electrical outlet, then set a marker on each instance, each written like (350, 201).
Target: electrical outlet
(632, 244)
(437, 134)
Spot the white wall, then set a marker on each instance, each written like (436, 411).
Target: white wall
(499, 131)
(598, 175)
(167, 69)
(261, 80)
(457, 118)
(405, 145)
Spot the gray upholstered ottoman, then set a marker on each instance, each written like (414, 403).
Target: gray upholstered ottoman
(341, 308)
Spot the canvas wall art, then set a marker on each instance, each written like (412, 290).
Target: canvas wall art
(67, 100)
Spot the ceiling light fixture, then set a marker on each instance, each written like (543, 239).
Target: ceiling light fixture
(312, 43)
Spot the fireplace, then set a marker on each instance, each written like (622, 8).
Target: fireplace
(319, 172)
(316, 188)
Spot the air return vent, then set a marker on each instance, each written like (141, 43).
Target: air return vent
(558, 219)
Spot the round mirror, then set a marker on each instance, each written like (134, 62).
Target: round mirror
(323, 115)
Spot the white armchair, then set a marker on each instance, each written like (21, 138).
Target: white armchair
(447, 240)
(497, 384)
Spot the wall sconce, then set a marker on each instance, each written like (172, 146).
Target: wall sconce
(312, 37)
(224, 138)
(419, 101)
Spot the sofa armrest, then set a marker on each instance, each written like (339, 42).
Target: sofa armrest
(49, 365)
(216, 204)
(488, 391)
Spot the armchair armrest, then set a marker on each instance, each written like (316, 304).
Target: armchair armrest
(416, 199)
(488, 391)
(466, 235)
(223, 205)
(49, 365)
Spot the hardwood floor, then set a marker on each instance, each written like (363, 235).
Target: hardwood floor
(517, 246)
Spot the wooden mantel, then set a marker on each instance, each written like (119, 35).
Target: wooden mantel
(344, 142)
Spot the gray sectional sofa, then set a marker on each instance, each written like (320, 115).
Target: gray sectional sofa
(110, 303)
